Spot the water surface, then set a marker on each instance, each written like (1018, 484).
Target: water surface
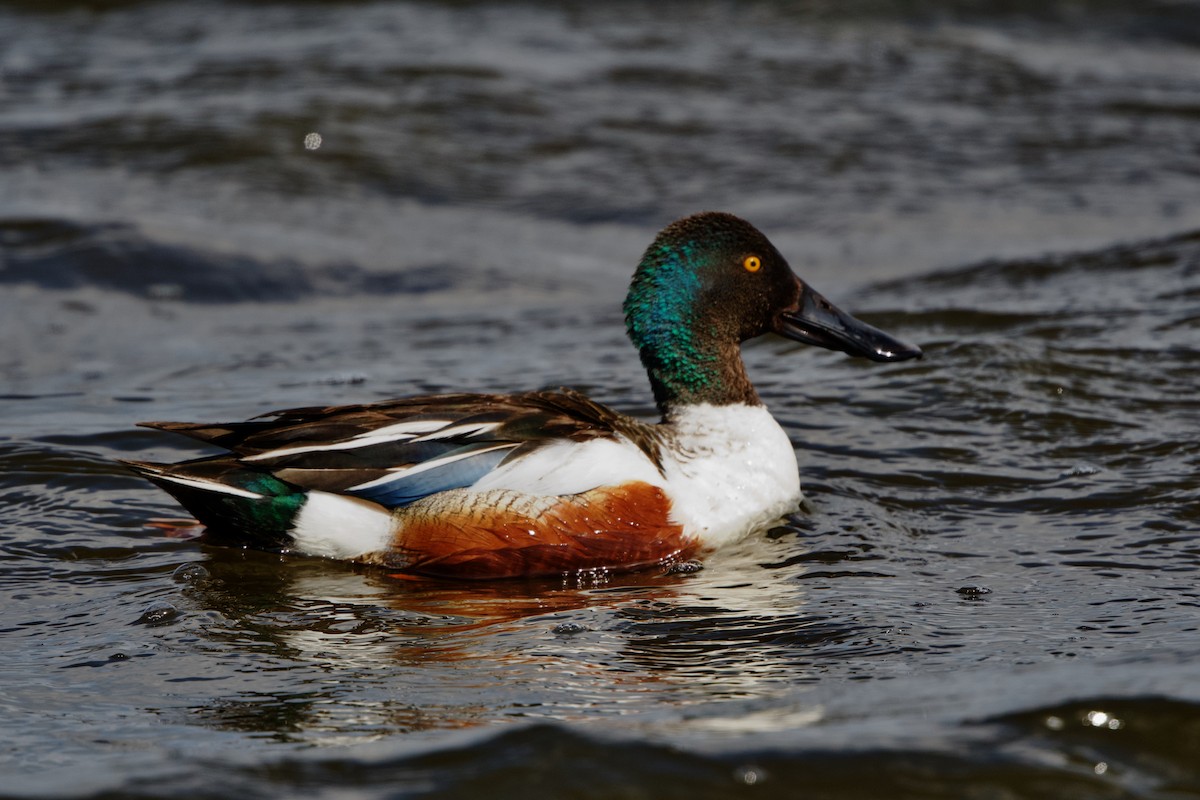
(992, 589)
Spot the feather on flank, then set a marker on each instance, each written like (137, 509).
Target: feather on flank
(502, 533)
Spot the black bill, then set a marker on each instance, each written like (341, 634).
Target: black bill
(815, 320)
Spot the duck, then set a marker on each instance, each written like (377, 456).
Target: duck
(545, 483)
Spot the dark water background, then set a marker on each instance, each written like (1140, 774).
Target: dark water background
(993, 590)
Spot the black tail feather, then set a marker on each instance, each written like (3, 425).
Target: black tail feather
(236, 504)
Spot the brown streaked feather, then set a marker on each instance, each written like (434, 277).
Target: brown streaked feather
(500, 534)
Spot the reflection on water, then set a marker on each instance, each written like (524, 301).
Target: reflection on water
(554, 650)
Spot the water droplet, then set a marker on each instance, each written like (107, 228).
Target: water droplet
(749, 775)
(189, 573)
(570, 629)
(1103, 719)
(312, 141)
(1055, 723)
(1082, 468)
(1101, 768)
(158, 613)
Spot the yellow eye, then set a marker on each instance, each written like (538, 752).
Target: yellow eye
(752, 263)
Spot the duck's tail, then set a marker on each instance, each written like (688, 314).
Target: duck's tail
(253, 508)
(236, 504)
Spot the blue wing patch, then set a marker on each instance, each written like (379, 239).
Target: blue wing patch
(453, 469)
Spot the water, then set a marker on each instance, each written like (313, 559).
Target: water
(992, 589)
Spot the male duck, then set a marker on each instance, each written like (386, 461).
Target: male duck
(544, 483)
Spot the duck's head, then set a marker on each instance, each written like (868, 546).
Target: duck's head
(711, 281)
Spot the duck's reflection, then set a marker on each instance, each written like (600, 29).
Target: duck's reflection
(357, 652)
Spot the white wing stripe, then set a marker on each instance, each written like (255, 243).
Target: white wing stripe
(212, 486)
(460, 430)
(412, 427)
(349, 444)
(434, 463)
(401, 431)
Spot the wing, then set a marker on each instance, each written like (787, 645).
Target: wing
(396, 452)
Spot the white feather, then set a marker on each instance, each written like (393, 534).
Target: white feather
(731, 470)
(565, 467)
(401, 431)
(413, 427)
(211, 486)
(338, 526)
(348, 444)
(460, 430)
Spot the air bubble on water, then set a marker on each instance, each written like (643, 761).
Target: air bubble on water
(973, 592)
(189, 573)
(570, 629)
(1080, 469)
(749, 775)
(1101, 768)
(685, 567)
(312, 141)
(158, 613)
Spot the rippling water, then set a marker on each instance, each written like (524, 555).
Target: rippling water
(992, 589)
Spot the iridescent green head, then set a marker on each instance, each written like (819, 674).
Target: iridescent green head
(708, 283)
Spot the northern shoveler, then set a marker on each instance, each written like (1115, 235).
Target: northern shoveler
(548, 482)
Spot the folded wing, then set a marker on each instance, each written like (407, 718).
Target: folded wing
(397, 452)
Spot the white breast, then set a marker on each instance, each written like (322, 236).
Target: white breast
(731, 470)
